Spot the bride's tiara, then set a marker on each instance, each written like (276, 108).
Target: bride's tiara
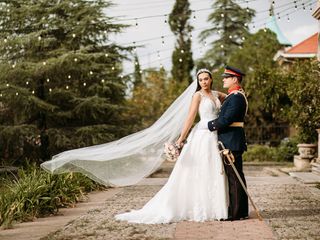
(203, 70)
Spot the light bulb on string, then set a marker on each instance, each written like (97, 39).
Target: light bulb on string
(102, 80)
(5, 40)
(84, 84)
(230, 36)
(166, 19)
(91, 73)
(140, 71)
(67, 87)
(48, 80)
(69, 76)
(73, 35)
(162, 40)
(113, 68)
(44, 63)
(75, 59)
(50, 89)
(288, 19)
(182, 51)
(32, 92)
(39, 38)
(8, 85)
(17, 93)
(0, 94)
(221, 46)
(273, 3)
(107, 55)
(27, 83)
(222, 15)
(194, 15)
(303, 6)
(136, 22)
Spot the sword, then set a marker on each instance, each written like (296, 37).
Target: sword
(229, 156)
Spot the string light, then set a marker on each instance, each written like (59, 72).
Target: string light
(136, 22)
(27, 82)
(73, 35)
(39, 38)
(91, 72)
(67, 87)
(69, 76)
(44, 63)
(102, 80)
(84, 84)
(17, 93)
(32, 91)
(48, 80)
(7, 84)
(50, 90)
(75, 59)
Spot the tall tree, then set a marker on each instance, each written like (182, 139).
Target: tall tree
(61, 78)
(230, 21)
(137, 72)
(182, 62)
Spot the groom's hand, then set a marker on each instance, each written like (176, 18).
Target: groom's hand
(212, 125)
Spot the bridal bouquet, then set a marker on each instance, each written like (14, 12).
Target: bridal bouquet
(172, 151)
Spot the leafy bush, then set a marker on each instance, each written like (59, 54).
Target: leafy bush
(284, 152)
(260, 153)
(287, 149)
(35, 193)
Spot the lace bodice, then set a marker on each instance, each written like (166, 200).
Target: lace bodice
(209, 109)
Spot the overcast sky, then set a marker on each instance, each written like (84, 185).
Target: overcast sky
(301, 25)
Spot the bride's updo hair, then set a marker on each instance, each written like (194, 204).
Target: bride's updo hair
(203, 70)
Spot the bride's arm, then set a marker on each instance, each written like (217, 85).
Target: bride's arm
(190, 119)
(221, 96)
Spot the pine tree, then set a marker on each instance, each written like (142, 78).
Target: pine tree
(182, 62)
(61, 83)
(137, 72)
(230, 22)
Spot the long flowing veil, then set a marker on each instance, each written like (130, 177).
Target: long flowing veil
(127, 160)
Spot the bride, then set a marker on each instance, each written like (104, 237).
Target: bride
(197, 189)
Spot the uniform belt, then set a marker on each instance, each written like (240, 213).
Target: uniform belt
(237, 124)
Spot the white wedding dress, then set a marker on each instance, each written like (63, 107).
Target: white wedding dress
(197, 189)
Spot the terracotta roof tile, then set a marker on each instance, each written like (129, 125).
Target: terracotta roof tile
(309, 45)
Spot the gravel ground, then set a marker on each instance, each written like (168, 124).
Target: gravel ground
(100, 223)
(290, 208)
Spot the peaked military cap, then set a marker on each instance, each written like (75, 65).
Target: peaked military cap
(232, 72)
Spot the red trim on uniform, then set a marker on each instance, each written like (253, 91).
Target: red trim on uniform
(235, 88)
(231, 72)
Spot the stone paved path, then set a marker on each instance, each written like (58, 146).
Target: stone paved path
(290, 209)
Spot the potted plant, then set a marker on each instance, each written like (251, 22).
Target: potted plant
(304, 113)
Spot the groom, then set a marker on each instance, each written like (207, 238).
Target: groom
(229, 125)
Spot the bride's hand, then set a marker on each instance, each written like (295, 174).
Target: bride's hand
(179, 142)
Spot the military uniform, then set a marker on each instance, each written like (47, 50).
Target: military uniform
(229, 125)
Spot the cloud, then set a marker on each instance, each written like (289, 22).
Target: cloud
(300, 33)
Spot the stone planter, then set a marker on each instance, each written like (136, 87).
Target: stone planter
(307, 152)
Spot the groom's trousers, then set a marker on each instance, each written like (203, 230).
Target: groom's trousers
(238, 199)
